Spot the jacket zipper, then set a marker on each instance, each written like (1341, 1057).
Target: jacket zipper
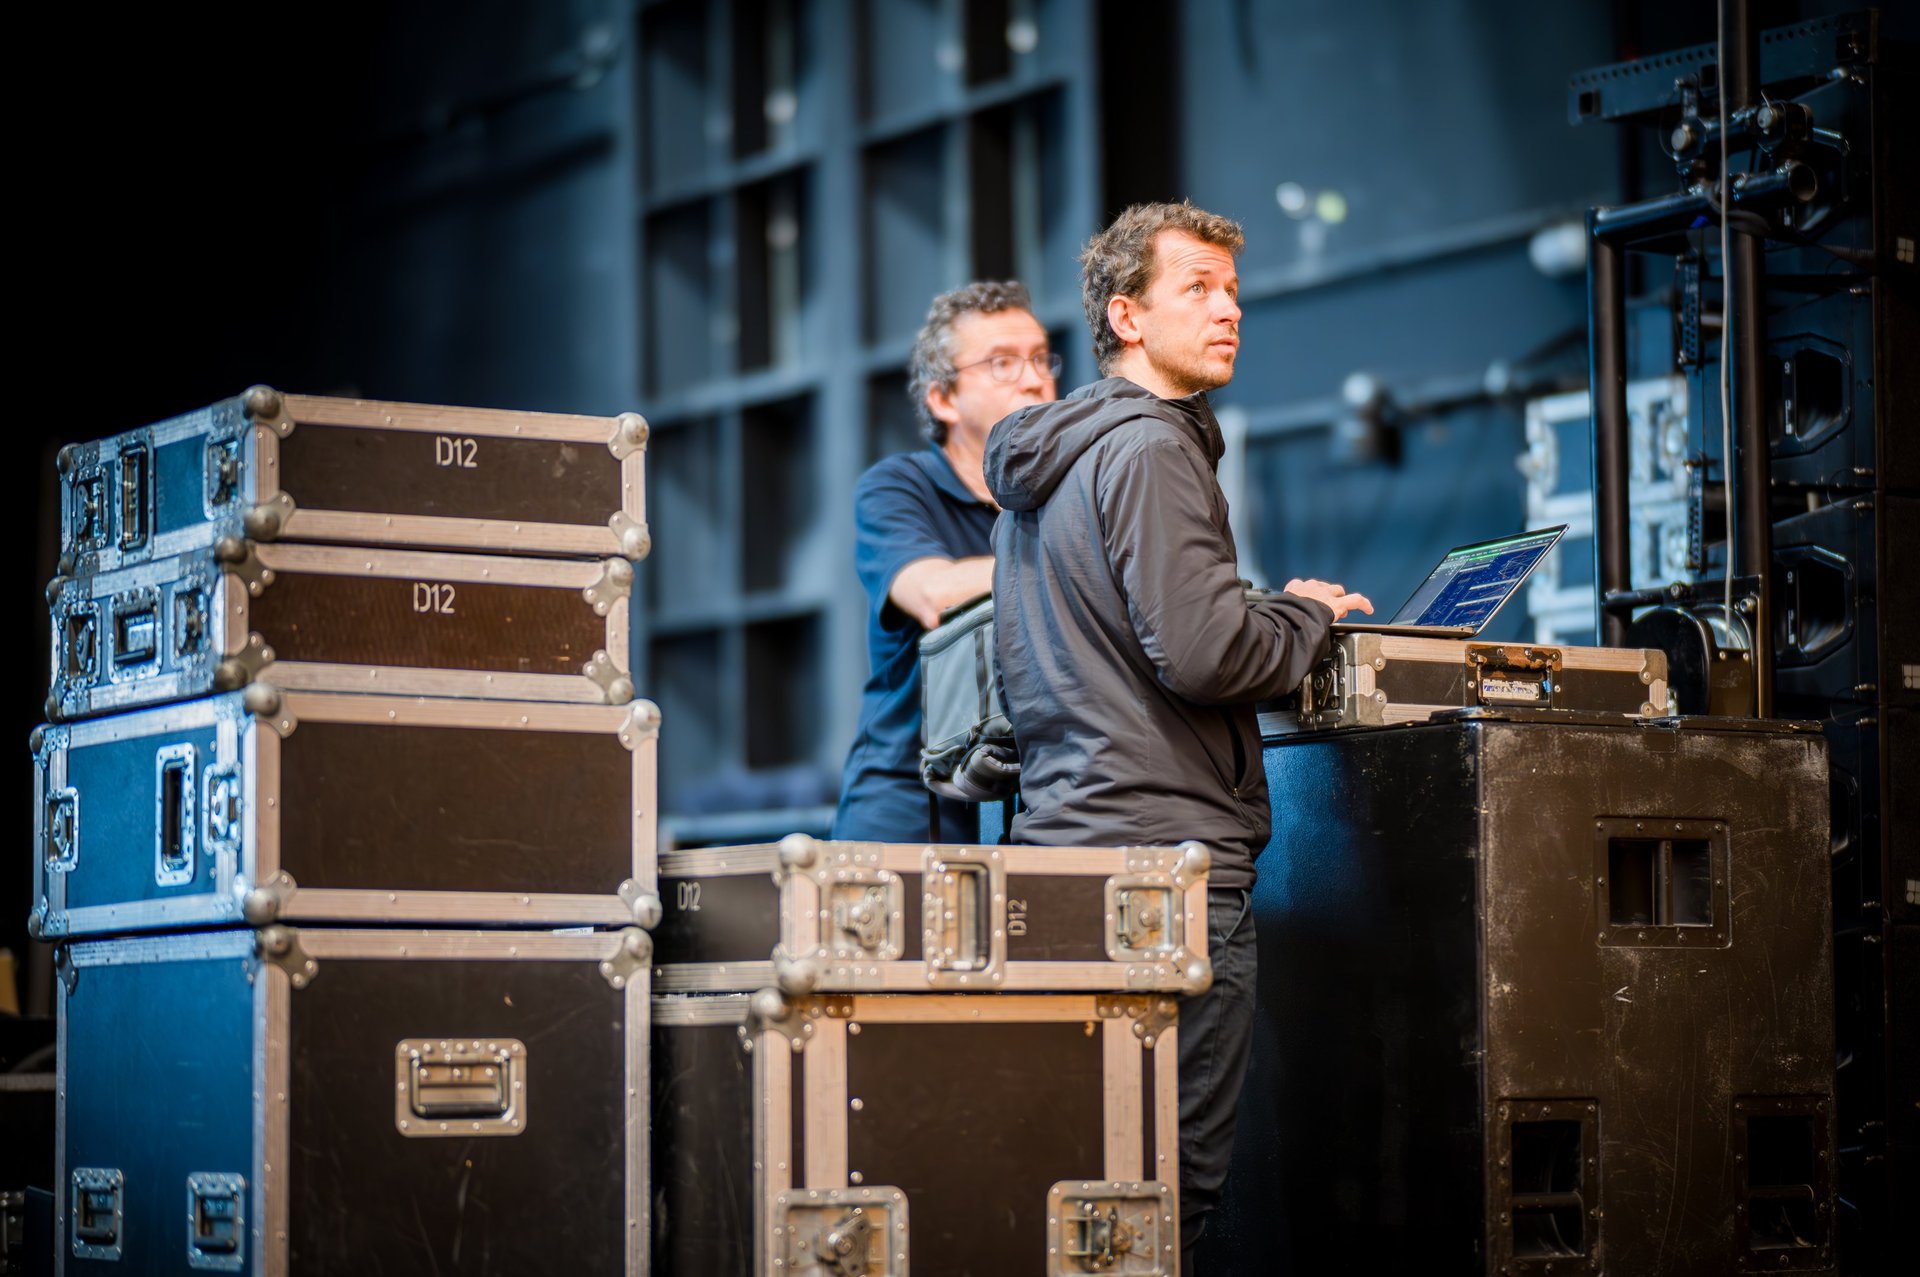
(1239, 752)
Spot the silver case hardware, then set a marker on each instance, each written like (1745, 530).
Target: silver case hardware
(96, 1208)
(452, 1088)
(842, 1232)
(1117, 1229)
(217, 1222)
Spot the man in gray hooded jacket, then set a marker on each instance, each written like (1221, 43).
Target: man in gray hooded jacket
(1130, 657)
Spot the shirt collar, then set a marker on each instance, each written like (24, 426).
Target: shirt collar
(947, 481)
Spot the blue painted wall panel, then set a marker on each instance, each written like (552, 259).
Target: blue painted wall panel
(1422, 116)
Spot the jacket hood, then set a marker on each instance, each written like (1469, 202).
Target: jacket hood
(1030, 451)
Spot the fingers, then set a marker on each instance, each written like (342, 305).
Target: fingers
(1334, 595)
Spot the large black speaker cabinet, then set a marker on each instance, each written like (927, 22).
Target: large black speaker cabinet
(1539, 995)
(1838, 383)
(1842, 291)
(1875, 753)
(1903, 1125)
(1846, 628)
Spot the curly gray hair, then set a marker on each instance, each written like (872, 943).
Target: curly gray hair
(1119, 261)
(932, 361)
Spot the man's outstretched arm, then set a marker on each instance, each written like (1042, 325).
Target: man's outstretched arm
(927, 587)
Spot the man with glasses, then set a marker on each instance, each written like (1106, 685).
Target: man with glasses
(924, 528)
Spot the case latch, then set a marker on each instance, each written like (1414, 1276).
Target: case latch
(1140, 917)
(446, 1087)
(1111, 1227)
(223, 472)
(96, 1212)
(1499, 674)
(866, 916)
(190, 629)
(850, 1232)
(963, 912)
(80, 647)
(62, 850)
(89, 510)
(216, 1221)
(224, 807)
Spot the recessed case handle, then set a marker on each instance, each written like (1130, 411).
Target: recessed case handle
(453, 1087)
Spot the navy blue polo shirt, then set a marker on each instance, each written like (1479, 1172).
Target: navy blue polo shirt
(907, 507)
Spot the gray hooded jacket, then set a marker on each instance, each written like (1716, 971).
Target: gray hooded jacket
(1129, 655)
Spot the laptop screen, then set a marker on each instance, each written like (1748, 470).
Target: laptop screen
(1473, 581)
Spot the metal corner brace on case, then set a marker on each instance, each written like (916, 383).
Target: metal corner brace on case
(630, 431)
(281, 947)
(1151, 1014)
(636, 951)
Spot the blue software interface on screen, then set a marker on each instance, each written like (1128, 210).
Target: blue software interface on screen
(1473, 581)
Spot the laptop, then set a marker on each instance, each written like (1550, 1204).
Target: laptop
(1464, 591)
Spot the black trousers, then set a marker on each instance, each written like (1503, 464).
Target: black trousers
(1216, 1041)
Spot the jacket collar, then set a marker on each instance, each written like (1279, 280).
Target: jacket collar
(1193, 412)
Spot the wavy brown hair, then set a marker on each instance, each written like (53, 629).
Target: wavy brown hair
(1119, 261)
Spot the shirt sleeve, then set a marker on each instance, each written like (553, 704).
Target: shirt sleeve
(1184, 595)
(893, 526)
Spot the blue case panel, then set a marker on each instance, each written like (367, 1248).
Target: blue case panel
(159, 1083)
(123, 812)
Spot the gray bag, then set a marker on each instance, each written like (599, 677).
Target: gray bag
(969, 751)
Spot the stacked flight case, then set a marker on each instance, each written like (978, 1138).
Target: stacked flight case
(870, 1059)
(345, 829)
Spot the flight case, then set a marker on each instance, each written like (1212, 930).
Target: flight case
(316, 1101)
(305, 468)
(340, 618)
(269, 806)
(1374, 680)
(875, 1134)
(811, 916)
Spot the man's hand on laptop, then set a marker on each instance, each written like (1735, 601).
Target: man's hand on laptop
(1334, 596)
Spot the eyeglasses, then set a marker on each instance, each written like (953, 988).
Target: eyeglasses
(1010, 368)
